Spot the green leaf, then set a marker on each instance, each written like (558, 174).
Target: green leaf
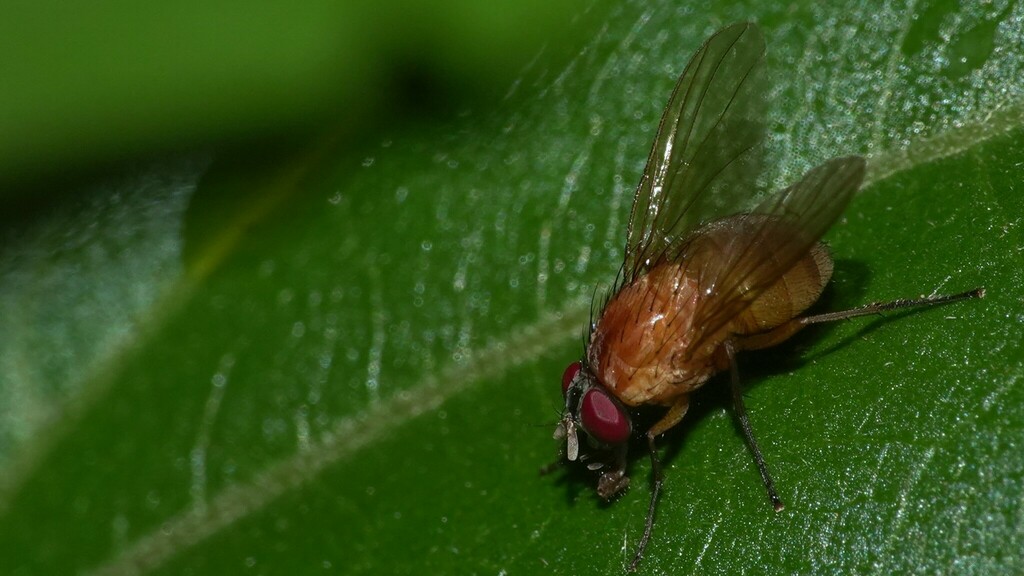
(349, 364)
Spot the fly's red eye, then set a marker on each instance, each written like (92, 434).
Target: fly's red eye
(603, 418)
(567, 377)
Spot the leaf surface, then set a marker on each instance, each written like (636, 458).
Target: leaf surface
(351, 364)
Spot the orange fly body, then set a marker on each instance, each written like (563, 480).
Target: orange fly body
(702, 279)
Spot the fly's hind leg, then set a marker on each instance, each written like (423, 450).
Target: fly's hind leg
(783, 332)
(788, 329)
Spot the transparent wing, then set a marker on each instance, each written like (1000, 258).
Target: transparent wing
(736, 265)
(707, 152)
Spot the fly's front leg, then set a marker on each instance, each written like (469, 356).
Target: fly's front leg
(671, 418)
(613, 481)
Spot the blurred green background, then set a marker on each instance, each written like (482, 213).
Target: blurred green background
(87, 85)
(289, 290)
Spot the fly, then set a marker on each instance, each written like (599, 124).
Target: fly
(703, 280)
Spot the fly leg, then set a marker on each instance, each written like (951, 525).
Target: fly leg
(748, 431)
(613, 481)
(672, 417)
(783, 332)
(877, 307)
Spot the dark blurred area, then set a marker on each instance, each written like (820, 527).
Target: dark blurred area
(87, 88)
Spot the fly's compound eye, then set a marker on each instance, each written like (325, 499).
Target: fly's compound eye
(568, 376)
(603, 418)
